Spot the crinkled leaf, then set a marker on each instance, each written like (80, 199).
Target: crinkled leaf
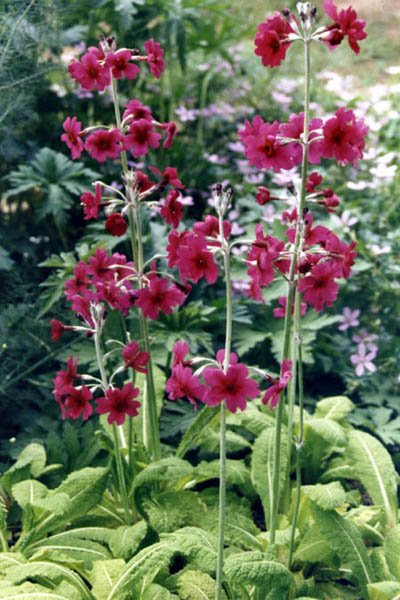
(195, 585)
(326, 496)
(335, 408)
(31, 462)
(168, 511)
(237, 472)
(193, 434)
(103, 576)
(374, 468)
(197, 545)
(254, 569)
(391, 546)
(70, 551)
(315, 548)
(384, 590)
(125, 540)
(142, 569)
(346, 541)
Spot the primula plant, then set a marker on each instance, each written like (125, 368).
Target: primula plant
(306, 506)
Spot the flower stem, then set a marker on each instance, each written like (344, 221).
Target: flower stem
(222, 450)
(151, 435)
(115, 429)
(299, 440)
(291, 288)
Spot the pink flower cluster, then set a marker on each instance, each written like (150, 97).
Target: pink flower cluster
(279, 146)
(275, 35)
(96, 67)
(75, 401)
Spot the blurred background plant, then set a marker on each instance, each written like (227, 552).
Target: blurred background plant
(212, 83)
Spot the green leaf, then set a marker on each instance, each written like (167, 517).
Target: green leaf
(170, 472)
(84, 488)
(193, 434)
(384, 590)
(195, 585)
(51, 570)
(103, 576)
(6, 262)
(171, 510)
(28, 492)
(391, 546)
(70, 551)
(237, 473)
(254, 569)
(262, 465)
(125, 541)
(142, 570)
(33, 591)
(157, 592)
(326, 496)
(197, 545)
(338, 469)
(346, 541)
(374, 468)
(251, 419)
(335, 408)
(31, 462)
(314, 548)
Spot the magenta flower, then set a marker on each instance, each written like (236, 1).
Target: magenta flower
(171, 209)
(160, 296)
(344, 137)
(141, 136)
(195, 260)
(363, 360)
(103, 144)
(272, 41)
(135, 358)
(119, 403)
(272, 395)
(137, 110)
(77, 403)
(116, 224)
(91, 203)
(234, 386)
(183, 384)
(345, 23)
(349, 318)
(319, 287)
(72, 136)
(89, 72)
(120, 66)
(155, 57)
(262, 146)
(279, 312)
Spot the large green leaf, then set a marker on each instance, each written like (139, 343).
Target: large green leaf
(17, 574)
(346, 541)
(193, 434)
(125, 540)
(392, 550)
(197, 545)
(31, 462)
(250, 569)
(262, 465)
(374, 468)
(326, 496)
(140, 572)
(335, 408)
(384, 590)
(172, 510)
(34, 591)
(195, 585)
(315, 548)
(103, 576)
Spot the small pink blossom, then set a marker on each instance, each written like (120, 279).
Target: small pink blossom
(72, 136)
(155, 56)
(349, 318)
(363, 360)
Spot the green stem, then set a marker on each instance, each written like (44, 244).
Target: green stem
(291, 288)
(150, 420)
(299, 441)
(115, 429)
(3, 543)
(222, 451)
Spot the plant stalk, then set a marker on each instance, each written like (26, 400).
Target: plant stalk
(115, 428)
(151, 435)
(291, 288)
(222, 450)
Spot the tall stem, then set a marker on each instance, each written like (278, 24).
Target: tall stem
(299, 440)
(117, 447)
(222, 449)
(151, 437)
(291, 288)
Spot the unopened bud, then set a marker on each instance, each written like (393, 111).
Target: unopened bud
(307, 14)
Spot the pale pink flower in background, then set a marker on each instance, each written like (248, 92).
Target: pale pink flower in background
(345, 221)
(363, 360)
(349, 318)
